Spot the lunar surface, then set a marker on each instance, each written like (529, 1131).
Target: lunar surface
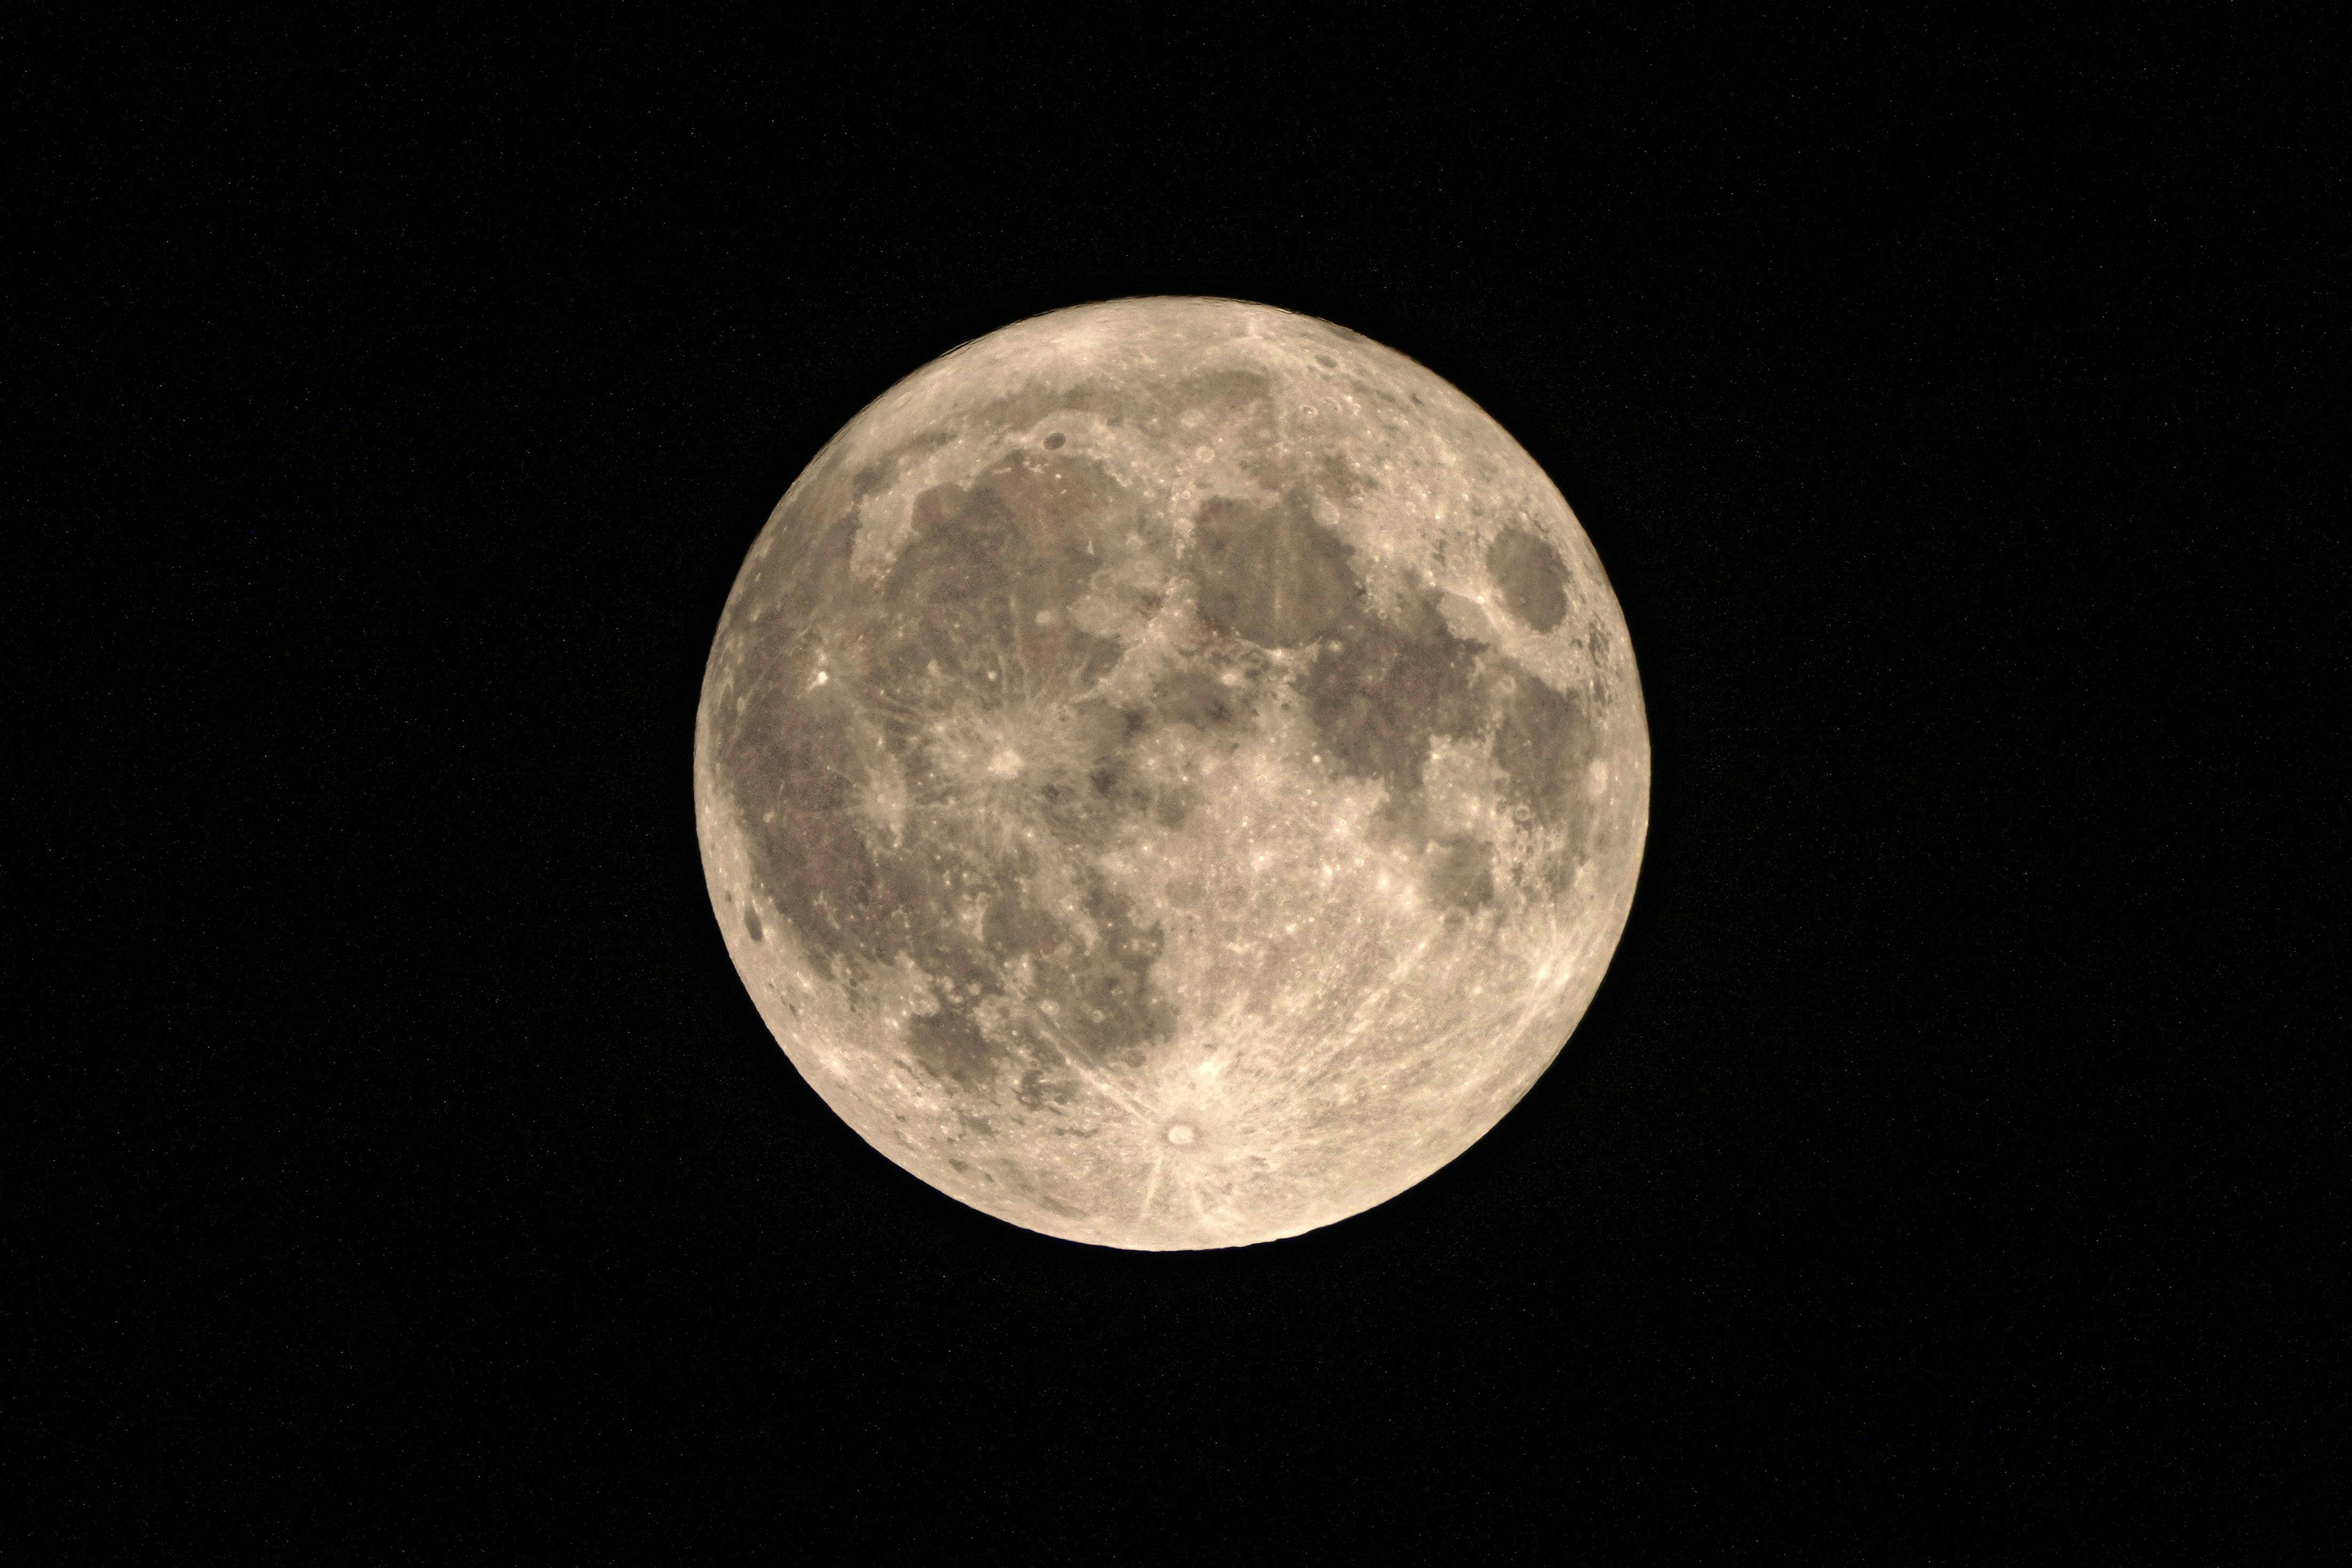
(1172, 773)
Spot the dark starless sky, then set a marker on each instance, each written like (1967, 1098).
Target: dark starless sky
(1934, 400)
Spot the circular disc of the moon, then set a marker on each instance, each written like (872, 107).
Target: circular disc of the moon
(1172, 773)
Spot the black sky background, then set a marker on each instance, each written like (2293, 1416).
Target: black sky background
(1939, 1176)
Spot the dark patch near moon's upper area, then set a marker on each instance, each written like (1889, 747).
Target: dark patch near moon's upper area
(1531, 578)
(1383, 687)
(1380, 692)
(966, 591)
(1271, 574)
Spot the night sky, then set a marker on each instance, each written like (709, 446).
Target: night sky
(404, 1168)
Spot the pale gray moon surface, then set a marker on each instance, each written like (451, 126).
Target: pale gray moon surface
(1172, 773)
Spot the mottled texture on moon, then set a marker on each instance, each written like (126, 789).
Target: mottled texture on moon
(1172, 773)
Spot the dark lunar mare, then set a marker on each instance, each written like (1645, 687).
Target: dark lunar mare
(960, 605)
(1531, 576)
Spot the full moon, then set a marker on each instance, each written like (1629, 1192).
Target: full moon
(1172, 773)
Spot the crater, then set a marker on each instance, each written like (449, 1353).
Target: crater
(1531, 576)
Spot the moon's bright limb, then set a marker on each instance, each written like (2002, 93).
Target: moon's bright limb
(1171, 773)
